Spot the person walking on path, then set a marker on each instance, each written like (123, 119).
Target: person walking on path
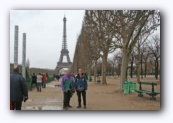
(18, 89)
(54, 77)
(58, 77)
(67, 85)
(34, 81)
(81, 86)
(39, 82)
(44, 78)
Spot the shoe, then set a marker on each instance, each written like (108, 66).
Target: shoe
(79, 107)
(84, 106)
(65, 108)
(69, 106)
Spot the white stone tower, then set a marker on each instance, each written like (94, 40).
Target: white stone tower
(24, 56)
(16, 35)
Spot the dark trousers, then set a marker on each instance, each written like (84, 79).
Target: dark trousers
(43, 84)
(16, 105)
(39, 87)
(67, 96)
(35, 85)
(83, 96)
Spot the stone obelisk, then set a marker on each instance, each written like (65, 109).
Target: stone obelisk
(16, 35)
(24, 56)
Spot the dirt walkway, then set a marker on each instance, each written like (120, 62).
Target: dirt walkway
(99, 97)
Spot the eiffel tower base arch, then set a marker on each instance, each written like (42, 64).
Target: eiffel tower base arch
(62, 65)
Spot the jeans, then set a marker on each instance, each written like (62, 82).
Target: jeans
(83, 96)
(16, 105)
(67, 96)
(43, 84)
(35, 85)
(39, 87)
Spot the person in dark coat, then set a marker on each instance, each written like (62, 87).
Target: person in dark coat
(34, 81)
(81, 87)
(58, 77)
(18, 89)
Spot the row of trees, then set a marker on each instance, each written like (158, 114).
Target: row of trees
(104, 31)
(147, 56)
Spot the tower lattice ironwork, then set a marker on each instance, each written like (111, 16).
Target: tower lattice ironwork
(64, 51)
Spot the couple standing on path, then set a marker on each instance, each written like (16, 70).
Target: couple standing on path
(70, 85)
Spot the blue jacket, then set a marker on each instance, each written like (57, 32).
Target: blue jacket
(81, 83)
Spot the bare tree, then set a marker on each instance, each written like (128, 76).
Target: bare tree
(145, 59)
(100, 22)
(117, 29)
(128, 26)
(132, 62)
(154, 46)
(86, 51)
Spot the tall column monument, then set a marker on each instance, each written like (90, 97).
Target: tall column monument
(16, 35)
(24, 56)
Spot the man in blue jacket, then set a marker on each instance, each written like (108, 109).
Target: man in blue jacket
(81, 87)
(67, 85)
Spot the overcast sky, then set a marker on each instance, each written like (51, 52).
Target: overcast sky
(44, 32)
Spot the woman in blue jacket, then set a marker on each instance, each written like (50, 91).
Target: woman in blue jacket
(81, 87)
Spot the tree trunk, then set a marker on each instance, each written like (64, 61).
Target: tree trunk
(138, 72)
(131, 69)
(119, 70)
(95, 71)
(156, 69)
(113, 70)
(138, 64)
(89, 70)
(104, 67)
(125, 58)
(145, 69)
(141, 69)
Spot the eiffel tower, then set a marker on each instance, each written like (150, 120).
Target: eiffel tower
(64, 52)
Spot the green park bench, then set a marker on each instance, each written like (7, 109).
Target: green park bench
(151, 93)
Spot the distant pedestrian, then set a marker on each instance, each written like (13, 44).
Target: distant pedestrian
(73, 75)
(81, 87)
(34, 81)
(18, 89)
(54, 77)
(39, 82)
(86, 76)
(44, 78)
(67, 85)
(58, 77)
